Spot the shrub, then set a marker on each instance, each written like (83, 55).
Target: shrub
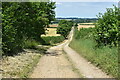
(64, 27)
(53, 39)
(107, 27)
(31, 44)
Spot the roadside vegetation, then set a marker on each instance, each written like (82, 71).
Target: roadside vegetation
(20, 66)
(100, 44)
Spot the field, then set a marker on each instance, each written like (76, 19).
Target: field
(51, 32)
(85, 25)
(51, 36)
(53, 25)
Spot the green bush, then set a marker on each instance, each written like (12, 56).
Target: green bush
(53, 39)
(107, 27)
(31, 44)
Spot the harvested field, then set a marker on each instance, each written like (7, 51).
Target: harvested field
(86, 23)
(51, 32)
(85, 26)
(53, 25)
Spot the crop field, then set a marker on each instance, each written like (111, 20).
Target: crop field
(53, 25)
(87, 23)
(85, 26)
(51, 32)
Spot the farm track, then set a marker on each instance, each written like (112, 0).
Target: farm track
(55, 65)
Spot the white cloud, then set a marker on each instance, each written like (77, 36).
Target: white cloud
(58, 3)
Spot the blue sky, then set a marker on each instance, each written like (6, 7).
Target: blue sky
(82, 9)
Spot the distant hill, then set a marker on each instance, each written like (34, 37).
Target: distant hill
(77, 20)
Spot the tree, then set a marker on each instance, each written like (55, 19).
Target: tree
(64, 27)
(107, 27)
(24, 20)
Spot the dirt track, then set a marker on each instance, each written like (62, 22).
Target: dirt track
(55, 65)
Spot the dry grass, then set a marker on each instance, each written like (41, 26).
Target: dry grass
(51, 32)
(21, 65)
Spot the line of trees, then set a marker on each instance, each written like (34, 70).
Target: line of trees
(22, 21)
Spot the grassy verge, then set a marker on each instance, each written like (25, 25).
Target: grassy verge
(24, 62)
(104, 57)
(20, 66)
(28, 69)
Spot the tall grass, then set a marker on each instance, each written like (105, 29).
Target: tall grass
(31, 44)
(104, 57)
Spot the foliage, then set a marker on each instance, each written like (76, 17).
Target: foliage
(64, 27)
(53, 39)
(31, 44)
(107, 27)
(24, 20)
(75, 24)
(84, 33)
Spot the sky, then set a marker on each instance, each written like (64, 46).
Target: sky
(82, 9)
